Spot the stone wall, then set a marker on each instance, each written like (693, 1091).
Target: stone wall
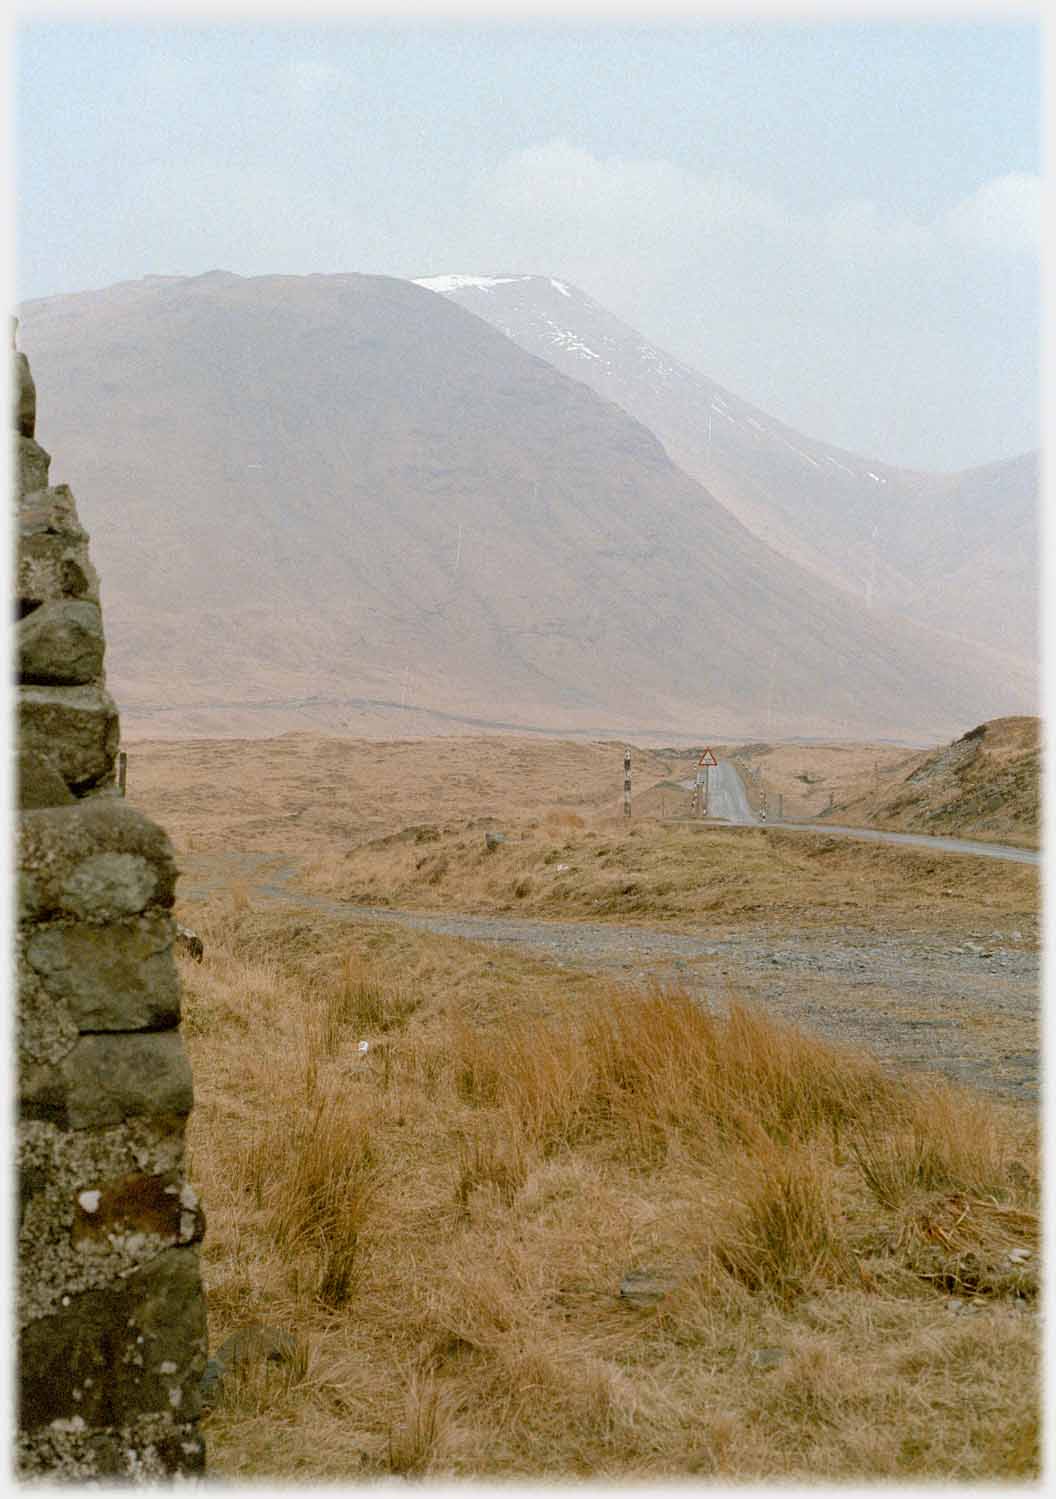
(111, 1312)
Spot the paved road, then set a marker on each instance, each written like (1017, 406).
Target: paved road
(728, 801)
(727, 798)
(921, 840)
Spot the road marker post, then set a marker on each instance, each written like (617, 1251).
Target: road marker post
(626, 783)
(705, 762)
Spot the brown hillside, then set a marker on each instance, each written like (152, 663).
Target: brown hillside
(958, 552)
(314, 496)
(987, 784)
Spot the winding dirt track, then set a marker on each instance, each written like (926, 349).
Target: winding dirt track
(968, 1010)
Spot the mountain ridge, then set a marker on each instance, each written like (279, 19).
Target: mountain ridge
(812, 501)
(347, 486)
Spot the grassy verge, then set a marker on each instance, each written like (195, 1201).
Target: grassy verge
(814, 1253)
(562, 865)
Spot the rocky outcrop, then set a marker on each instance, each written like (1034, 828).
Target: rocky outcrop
(111, 1312)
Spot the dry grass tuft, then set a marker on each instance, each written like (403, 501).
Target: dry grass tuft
(447, 1219)
(238, 895)
(317, 1182)
(412, 1441)
(782, 1236)
(497, 1161)
(359, 1000)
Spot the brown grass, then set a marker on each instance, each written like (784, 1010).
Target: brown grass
(306, 793)
(984, 786)
(444, 1221)
(605, 869)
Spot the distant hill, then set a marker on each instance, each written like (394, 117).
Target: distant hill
(986, 784)
(956, 552)
(311, 496)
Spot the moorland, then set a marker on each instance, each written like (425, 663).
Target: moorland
(622, 1148)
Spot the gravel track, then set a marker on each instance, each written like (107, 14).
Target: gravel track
(967, 1009)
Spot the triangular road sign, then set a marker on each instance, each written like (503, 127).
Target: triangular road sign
(707, 758)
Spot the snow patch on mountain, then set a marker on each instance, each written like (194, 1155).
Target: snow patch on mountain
(458, 283)
(566, 339)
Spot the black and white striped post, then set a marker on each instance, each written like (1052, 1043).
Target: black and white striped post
(626, 783)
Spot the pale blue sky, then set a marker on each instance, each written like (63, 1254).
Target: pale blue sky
(837, 221)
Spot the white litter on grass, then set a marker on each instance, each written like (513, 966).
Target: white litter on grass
(364, 1046)
(560, 868)
(89, 1201)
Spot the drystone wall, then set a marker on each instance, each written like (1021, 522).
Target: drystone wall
(111, 1312)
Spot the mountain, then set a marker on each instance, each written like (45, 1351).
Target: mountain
(956, 552)
(311, 496)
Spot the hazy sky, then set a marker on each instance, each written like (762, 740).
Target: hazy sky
(837, 221)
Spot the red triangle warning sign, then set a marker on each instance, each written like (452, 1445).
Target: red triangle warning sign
(707, 758)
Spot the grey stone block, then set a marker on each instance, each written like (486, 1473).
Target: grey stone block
(246, 1347)
(117, 977)
(256, 1344)
(644, 1288)
(30, 466)
(109, 885)
(39, 782)
(113, 1077)
(56, 1167)
(61, 643)
(24, 392)
(152, 1144)
(105, 1079)
(77, 727)
(53, 561)
(114, 1354)
(55, 842)
(46, 1030)
(42, 1093)
(86, 1234)
(152, 1448)
(110, 1300)
(50, 512)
